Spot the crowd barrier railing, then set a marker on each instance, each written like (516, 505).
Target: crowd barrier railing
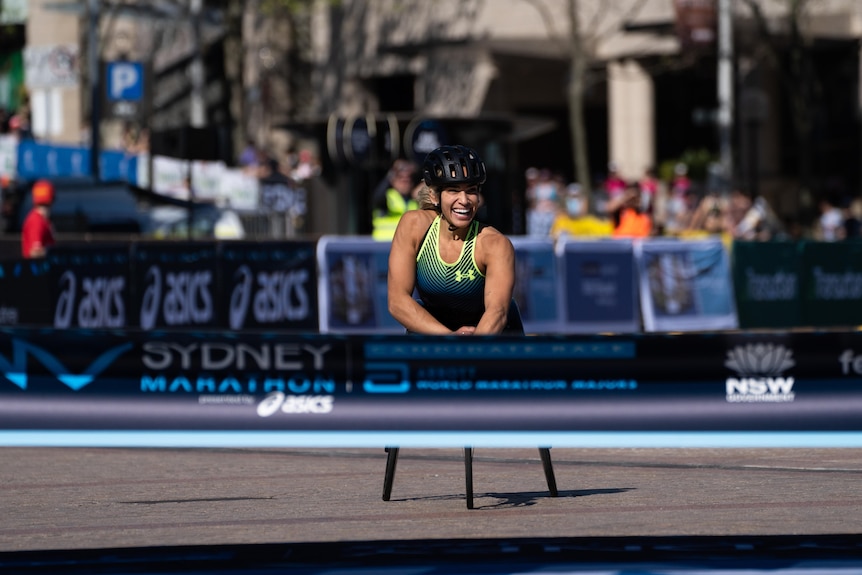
(337, 285)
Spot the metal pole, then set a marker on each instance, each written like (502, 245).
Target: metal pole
(725, 89)
(93, 7)
(197, 104)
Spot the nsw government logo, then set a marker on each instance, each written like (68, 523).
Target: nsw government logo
(760, 367)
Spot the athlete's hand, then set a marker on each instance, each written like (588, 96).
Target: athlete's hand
(465, 330)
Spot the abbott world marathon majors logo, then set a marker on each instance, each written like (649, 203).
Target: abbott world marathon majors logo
(760, 367)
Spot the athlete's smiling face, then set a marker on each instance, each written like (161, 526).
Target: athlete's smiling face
(459, 203)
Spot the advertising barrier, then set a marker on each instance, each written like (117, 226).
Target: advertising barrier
(767, 282)
(25, 298)
(599, 287)
(183, 388)
(175, 285)
(268, 285)
(338, 285)
(537, 281)
(90, 287)
(831, 293)
(352, 284)
(685, 285)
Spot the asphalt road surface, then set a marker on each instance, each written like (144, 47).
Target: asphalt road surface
(66, 499)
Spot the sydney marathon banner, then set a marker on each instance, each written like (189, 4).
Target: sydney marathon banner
(158, 381)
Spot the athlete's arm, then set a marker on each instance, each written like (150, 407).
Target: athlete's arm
(498, 255)
(402, 275)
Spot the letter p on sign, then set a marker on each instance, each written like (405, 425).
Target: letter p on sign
(125, 81)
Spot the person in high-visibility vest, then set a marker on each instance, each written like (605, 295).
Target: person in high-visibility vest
(391, 202)
(630, 220)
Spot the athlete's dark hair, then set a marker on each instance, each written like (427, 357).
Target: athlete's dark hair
(453, 165)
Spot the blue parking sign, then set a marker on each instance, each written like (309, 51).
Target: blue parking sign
(125, 81)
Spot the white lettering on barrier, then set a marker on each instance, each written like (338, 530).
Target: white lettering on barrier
(101, 302)
(759, 389)
(837, 286)
(273, 300)
(779, 286)
(152, 298)
(281, 296)
(65, 308)
(240, 297)
(850, 362)
(293, 404)
(187, 300)
(219, 355)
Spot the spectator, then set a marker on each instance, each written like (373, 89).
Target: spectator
(37, 233)
(681, 183)
(630, 221)
(306, 167)
(852, 211)
(679, 210)
(649, 185)
(396, 196)
(250, 155)
(566, 222)
(575, 220)
(615, 185)
(830, 224)
(738, 205)
(543, 200)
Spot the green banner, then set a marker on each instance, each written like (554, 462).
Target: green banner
(831, 292)
(767, 283)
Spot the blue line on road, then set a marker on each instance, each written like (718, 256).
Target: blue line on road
(430, 439)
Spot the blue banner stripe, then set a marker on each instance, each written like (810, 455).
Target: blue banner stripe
(504, 350)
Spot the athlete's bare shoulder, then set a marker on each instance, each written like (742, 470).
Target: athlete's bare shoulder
(493, 240)
(414, 223)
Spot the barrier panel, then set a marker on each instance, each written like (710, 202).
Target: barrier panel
(537, 282)
(598, 290)
(268, 285)
(90, 286)
(685, 285)
(767, 280)
(25, 297)
(352, 285)
(175, 285)
(184, 388)
(831, 293)
(195, 285)
(337, 284)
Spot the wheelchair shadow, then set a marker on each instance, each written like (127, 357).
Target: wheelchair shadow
(528, 499)
(519, 499)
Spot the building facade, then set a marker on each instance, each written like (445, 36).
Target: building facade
(356, 68)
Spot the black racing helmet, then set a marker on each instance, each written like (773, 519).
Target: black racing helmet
(453, 165)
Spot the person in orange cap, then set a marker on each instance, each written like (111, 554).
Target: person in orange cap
(37, 233)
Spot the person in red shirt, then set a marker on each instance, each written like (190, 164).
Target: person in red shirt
(37, 234)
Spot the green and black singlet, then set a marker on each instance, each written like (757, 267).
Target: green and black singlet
(455, 293)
